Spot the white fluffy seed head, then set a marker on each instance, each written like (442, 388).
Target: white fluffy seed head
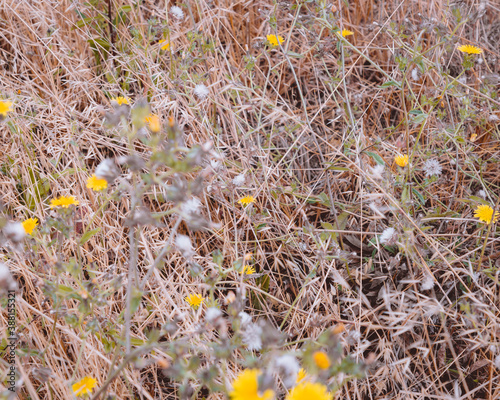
(432, 167)
(239, 180)
(201, 91)
(177, 12)
(184, 245)
(14, 231)
(191, 206)
(388, 236)
(427, 283)
(252, 337)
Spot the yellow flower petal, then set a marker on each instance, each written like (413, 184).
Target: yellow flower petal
(309, 391)
(248, 270)
(194, 300)
(166, 46)
(401, 160)
(5, 107)
(63, 202)
(29, 225)
(84, 386)
(469, 49)
(485, 214)
(120, 100)
(321, 360)
(246, 387)
(154, 123)
(96, 183)
(246, 200)
(274, 40)
(346, 32)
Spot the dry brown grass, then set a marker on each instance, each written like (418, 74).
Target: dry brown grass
(419, 344)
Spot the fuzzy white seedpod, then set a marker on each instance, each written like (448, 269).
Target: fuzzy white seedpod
(184, 245)
(481, 193)
(239, 180)
(107, 170)
(427, 283)
(377, 171)
(201, 91)
(497, 362)
(388, 237)
(414, 74)
(215, 164)
(212, 315)
(245, 318)
(7, 282)
(191, 206)
(432, 167)
(288, 368)
(14, 231)
(252, 337)
(177, 12)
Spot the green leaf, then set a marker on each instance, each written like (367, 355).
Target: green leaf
(421, 198)
(295, 55)
(376, 157)
(87, 235)
(389, 84)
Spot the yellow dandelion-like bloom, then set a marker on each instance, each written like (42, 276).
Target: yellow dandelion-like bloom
(96, 183)
(5, 107)
(301, 375)
(321, 360)
(154, 122)
(485, 214)
(246, 387)
(120, 100)
(274, 40)
(194, 300)
(84, 386)
(64, 202)
(29, 225)
(473, 137)
(346, 32)
(166, 46)
(246, 200)
(401, 160)
(248, 270)
(469, 49)
(308, 391)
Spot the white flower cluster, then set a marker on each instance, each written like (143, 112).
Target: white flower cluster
(432, 167)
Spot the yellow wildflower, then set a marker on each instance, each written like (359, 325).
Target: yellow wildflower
(5, 107)
(485, 214)
(246, 387)
(96, 183)
(246, 200)
(120, 100)
(301, 375)
(63, 202)
(321, 360)
(274, 40)
(194, 300)
(401, 160)
(248, 270)
(346, 32)
(469, 49)
(473, 137)
(29, 225)
(84, 386)
(166, 46)
(154, 122)
(309, 390)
